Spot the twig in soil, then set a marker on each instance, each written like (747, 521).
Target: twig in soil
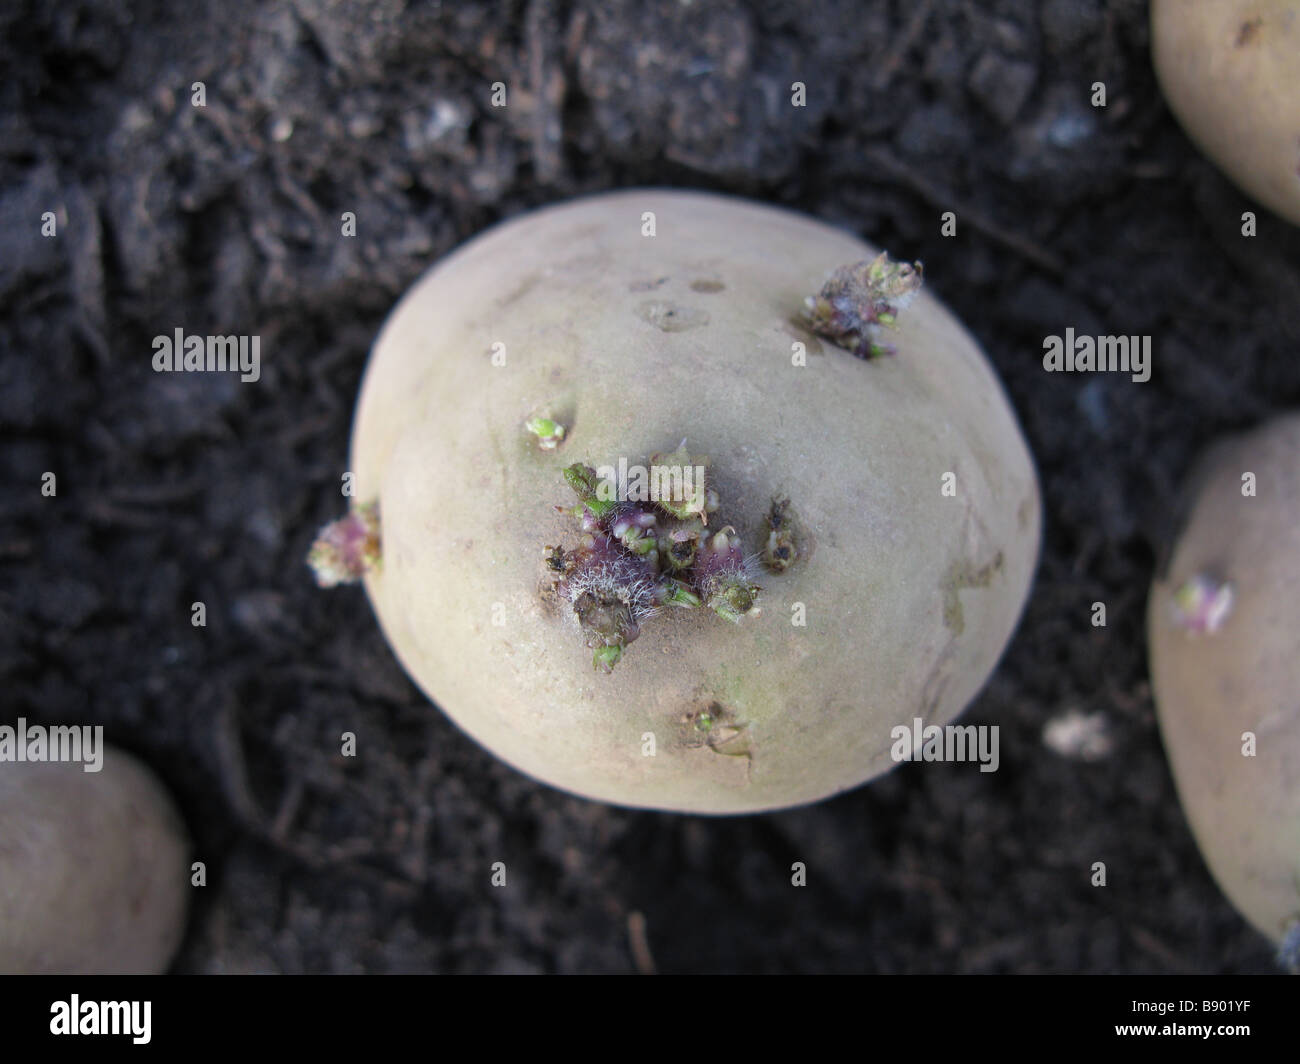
(894, 167)
(888, 66)
(290, 800)
(222, 121)
(1152, 945)
(547, 84)
(639, 944)
(295, 193)
(573, 37)
(233, 773)
(230, 763)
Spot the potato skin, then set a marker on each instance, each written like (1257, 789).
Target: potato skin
(1245, 677)
(895, 627)
(94, 875)
(1228, 70)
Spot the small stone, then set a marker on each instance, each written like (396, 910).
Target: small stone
(281, 128)
(1078, 736)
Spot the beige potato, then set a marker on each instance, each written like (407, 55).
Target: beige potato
(94, 873)
(1240, 673)
(1230, 70)
(634, 342)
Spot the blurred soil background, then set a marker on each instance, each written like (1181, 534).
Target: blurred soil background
(176, 488)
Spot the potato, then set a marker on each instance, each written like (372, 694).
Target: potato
(902, 597)
(1228, 69)
(1224, 630)
(94, 878)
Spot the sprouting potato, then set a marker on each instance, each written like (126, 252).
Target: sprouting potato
(853, 553)
(1224, 632)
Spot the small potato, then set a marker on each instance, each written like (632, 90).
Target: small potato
(1230, 70)
(615, 327)
(1224, 632)
(94, 878)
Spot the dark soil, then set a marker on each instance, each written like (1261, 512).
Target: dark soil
(177, 488)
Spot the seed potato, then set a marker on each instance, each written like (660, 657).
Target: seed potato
(576, 318)
(1224, 632)
(1228, 69)
(94, 873)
